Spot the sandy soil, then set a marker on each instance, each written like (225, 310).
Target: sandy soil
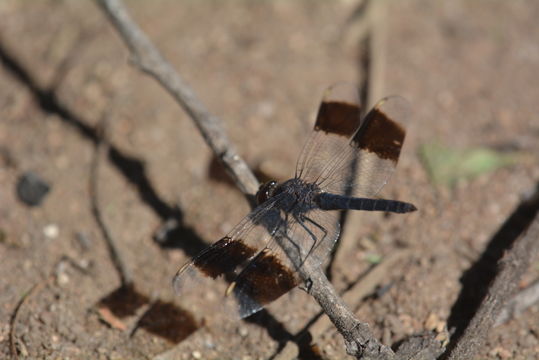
(468, 68)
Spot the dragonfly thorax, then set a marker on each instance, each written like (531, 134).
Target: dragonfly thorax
(300, 195)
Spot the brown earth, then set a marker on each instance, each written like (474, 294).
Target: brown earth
(470, 70)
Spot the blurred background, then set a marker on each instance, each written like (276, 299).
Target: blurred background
(469, 70)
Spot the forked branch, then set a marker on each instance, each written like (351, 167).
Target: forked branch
(149, 59)
(357, 335)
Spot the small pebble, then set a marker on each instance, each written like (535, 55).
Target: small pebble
(51, 231)
(209, 344)
(197, 354)
(243, 331)
(62, 279)
(32, 189)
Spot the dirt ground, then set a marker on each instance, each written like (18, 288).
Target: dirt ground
(469, 69)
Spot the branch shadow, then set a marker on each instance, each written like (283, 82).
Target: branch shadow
(276, 330)
(133, 169)
(477, 279)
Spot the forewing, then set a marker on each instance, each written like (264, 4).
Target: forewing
(338, 119)
(365, 164)
(273, 272)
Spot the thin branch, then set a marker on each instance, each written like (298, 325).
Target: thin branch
(14, 318)
(519, 303)
(371, 49)
(148, 59)
(511, 268)
(363, 287)
(360, 341)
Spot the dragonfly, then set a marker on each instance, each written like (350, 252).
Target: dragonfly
(345, 162)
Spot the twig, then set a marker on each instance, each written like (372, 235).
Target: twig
(371, 42)
(511, 268)
(26, 296)
(14, 318)
(377, 52)
(519, 303)
(362, 288)
(149, 60)
(102, 148)
(360, 342)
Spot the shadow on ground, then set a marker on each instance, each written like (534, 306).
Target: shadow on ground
(477, 279)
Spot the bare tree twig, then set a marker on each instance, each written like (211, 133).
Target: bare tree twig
(14, 318)
(363, 287)
(359, 340)
(519, 303)
(371, 43)
(511, 267)
(149, 60)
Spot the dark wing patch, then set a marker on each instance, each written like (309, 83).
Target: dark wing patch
(374, 150)
(338, 118)
(264, 280)
(224, 260)
(380, 135)
(223, 256)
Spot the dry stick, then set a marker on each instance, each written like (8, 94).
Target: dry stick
(354, 31)
(359, 340)
(352, 219)
(101, 149)
(358, 337)
(362, 288)
(422, 346)
(519, 303)
(15, 316)
(148, 59)
(376, 52)
(371, 85)
(13, 320)
(511, 268)
(357, 345)
(365, 286)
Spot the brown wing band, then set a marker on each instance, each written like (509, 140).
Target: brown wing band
(338, 118)
(265, 279)
(380, 135)
(223, 256)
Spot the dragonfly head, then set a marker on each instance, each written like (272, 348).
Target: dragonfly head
(265, 191)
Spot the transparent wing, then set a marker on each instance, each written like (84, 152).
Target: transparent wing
(338, 119)
(362, 163)
(224, 260)
(273, 272)
(259, 260)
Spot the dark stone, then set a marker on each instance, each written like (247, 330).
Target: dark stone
(32, 189)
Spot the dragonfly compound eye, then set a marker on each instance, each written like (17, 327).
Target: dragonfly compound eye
(266, 191)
